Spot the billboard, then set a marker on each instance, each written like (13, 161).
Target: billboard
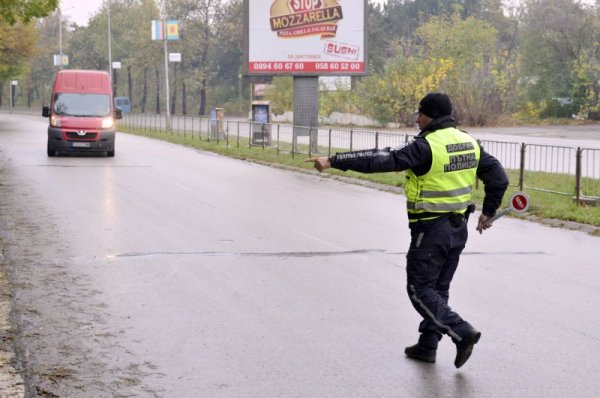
(305, 37)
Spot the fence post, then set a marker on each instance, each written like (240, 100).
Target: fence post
(329, 150)
(578, 175)
(377, 140)
(309, 142)
(227, 133)
(294, 141)
(278, 126)
(238, 134)
(208, 129)
(522, 168)
(351, 139)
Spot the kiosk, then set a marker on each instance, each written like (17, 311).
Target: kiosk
(261, 123)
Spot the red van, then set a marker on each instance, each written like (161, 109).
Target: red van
(82, 114)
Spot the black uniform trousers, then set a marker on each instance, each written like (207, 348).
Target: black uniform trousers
(432, 259)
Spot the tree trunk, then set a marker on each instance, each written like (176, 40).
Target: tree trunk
(183, 98)
(115, 85)
(144, 89)
(130, 87)
(157, 90)
(174, 96)
(37, 92)
(204, 63)
(202, 109)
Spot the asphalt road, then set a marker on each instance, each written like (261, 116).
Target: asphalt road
(170, 272)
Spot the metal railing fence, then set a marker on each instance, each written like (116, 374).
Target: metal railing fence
(561, 170)
(553, 169)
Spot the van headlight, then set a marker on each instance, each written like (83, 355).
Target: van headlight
(108, 122)
(54, 121)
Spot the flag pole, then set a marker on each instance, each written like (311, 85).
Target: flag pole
(168, 113)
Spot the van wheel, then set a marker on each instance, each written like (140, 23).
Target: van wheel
(51, 151)
(110, 154)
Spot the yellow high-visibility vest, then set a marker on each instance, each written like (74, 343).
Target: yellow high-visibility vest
(446, 187)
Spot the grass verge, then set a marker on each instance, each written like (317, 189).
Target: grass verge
(544, 205)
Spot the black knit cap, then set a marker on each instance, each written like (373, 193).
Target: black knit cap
(435, 105)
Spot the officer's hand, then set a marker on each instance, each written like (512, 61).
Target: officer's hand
(484, 223)
(320, 163)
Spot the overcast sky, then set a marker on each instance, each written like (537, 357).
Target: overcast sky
(80, 11)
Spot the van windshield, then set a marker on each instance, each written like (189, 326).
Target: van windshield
(75, 104)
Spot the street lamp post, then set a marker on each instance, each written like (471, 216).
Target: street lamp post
(110, 69)
(60, 49)
(60, 56)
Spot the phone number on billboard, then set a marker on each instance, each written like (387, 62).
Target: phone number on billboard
(306, 67)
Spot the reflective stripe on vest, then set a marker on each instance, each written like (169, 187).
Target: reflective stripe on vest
(443, 207)
(447, 186)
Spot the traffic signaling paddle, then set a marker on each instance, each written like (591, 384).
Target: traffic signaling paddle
(519, 203)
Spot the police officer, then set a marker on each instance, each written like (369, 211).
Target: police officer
(441, 164)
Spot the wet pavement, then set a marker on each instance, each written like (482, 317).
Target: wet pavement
(169, 272)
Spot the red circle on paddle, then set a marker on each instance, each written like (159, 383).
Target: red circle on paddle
(519, 202)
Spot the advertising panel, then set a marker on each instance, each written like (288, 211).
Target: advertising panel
(306, 37)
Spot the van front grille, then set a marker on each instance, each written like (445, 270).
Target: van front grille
(72, 135)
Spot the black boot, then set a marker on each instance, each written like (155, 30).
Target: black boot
(464, 348)
(420, 353)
